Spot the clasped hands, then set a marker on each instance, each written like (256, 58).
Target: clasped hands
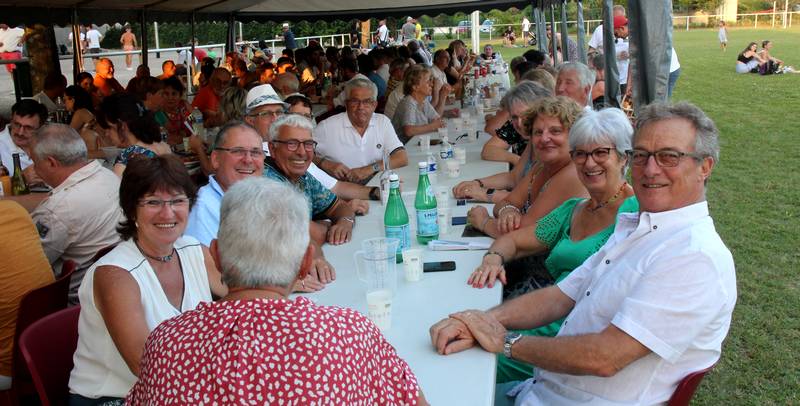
(462, 330)
(342, 172)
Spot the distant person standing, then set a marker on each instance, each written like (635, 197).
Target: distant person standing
(383, 34)
(128, 41)
(93, 37)
(723, 36)
(418, 28)
(409, 30)
(288, 37)
(596, 41)
(526, 31)
(11, 40)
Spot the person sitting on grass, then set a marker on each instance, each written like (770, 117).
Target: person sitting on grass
(749, 61)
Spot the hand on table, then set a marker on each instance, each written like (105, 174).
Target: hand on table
(307, 285)
(30, 175)
(437, 123)
(463, 189)
(509, 220)
(337, 170)
(477, 217)
(450, 336)
(485, 329)
(361, 207)
(360, 175)
(340, 232)
(322, 271)
(489, 271)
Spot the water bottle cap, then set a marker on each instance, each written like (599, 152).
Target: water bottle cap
(393, 177)
(422, 165)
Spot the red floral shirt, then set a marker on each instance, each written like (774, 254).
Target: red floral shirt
(271, 352)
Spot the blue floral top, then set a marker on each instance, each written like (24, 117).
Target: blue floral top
(133, 151)
(320, 198)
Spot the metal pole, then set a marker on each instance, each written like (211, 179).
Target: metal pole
(230, 39)
(77, 50)
(155, 36)
(785, 11)
(774, 4)
(687, 23)
(564, 32)
(756, 18)
(143, 25)
(612, 97)
(581, 32)
(554, 31)
(191, 66)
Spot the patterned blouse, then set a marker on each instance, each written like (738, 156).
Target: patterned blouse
(131, 152)
(276, 352)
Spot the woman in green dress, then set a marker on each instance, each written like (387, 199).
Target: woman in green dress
(575, 230)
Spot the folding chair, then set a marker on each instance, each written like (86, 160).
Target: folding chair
(50, 361)
(686, 388)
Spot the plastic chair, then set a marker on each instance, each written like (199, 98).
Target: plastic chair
(686, 388)
(34, 305)
(50, 361)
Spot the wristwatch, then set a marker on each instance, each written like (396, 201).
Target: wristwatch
(376, 167)
(511, 338)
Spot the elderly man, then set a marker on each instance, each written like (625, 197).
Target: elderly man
(236, 156)
(104, 79)
(651, 306)
(353, 144)
(262, 107)
(575, 80)
(257, 320)
(26, 118)
(80, 216)
(207, 99)
(291, 150)
(286, 83)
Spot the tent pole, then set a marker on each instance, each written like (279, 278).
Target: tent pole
(540, 31)
(554, 31)
(230, 39)
(191, 67)
(77, 49)
(609, 49)
(581, 33)
(564, 32)
(143, 24)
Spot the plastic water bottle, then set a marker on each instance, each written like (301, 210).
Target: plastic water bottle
(425, 205)
(446, 149)
(197, 123)
(395, 218)
(433, 169)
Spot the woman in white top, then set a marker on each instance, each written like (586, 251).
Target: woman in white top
(152, 275)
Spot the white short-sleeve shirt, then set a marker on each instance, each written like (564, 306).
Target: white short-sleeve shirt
(621, 46)
(665, 279)
(526, 24)
(339, 141)
(8, 149)
(596, 41)
(94, 36)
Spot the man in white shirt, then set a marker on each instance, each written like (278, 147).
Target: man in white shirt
(383, 34)
(27, 116)
(93, 37)
(353, 144)
(81, 215)
(621, 47)
(596, 41)
(11, 40)
(653, 305)
(526, 31)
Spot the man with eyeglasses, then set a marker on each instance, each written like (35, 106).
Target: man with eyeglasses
(26, 118)
(353, 144)
(291, 152)
(81, 214)
(653, 305)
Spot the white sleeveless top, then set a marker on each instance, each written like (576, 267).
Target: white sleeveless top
(99, 368)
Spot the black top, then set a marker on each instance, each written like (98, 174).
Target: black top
(741, 58)
(510, 135)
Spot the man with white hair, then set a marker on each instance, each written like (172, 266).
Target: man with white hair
(80, 216)
(291, 150)
(575, 80)
(353, 145)
(653, 305)
(256, 320)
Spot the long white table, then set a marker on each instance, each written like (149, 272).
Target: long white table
(466, 378)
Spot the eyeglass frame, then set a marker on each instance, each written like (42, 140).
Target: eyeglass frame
(297, 143)
(158, 204)
(25, 128)
(240, 152)
(361, 102)
(274, 114)
(586, 154)
(680, 155)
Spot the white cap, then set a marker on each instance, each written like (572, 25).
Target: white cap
(393, 177)
(422, 165)
(409, 19)
(286, 25)
(261, 96)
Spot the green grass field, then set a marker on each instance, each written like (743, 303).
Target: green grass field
(755, 202)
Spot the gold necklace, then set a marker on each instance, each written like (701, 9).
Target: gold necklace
(605, 203)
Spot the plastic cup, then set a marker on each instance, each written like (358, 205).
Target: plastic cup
(443, 216)
(412, 264)
(425, 142)
(379, 308)
(453, 168)
(442, 194)
(461, 155)
(186, 146)
(442, 132)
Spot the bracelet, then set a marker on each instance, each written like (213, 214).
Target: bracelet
(483, 226)
(350, 219)
(374, 193)
(508, 206)
(489, 193)
(479, 183)
(490, 252)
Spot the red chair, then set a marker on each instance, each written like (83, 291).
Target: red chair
(50, 360)
(34, 305)
(686, 388)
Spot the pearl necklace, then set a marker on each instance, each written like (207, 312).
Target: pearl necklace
(605, 203)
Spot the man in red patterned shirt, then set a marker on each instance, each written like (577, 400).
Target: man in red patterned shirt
(256, 345)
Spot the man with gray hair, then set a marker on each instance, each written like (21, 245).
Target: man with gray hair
(286, 83)
(353, 145)
(653, 305)
(80, 216)
(575, 80)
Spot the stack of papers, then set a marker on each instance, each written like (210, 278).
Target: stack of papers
(444, 245)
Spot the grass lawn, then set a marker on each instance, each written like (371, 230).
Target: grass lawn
(754, 195)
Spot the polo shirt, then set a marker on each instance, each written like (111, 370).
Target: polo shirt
(339, 140)
(8, 148)
(667, 280)
(79, 218)
(94, 36)
(327, 180)
(319, 198)
(203, 221)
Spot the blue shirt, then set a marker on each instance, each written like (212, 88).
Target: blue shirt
(204, 219)
(288, 40)
(379, 83)
(319, 198)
